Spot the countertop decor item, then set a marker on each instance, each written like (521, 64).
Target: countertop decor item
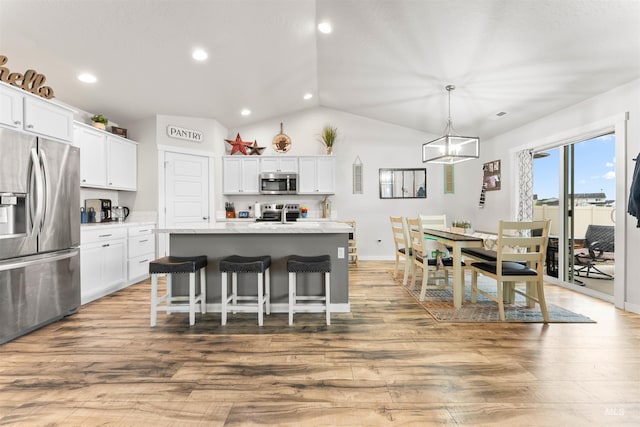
(328, 137)
(281, 142)
(99, 121)
(451, 148)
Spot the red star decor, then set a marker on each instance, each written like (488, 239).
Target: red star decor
(239, 145)
(255, 149)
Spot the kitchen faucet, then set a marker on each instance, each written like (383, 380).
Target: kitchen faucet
(284, 215)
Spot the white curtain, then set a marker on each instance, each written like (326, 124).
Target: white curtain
(524, 197)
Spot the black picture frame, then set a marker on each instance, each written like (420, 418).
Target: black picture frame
(403, 183)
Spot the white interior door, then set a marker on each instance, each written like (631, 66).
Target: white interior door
(187, 190)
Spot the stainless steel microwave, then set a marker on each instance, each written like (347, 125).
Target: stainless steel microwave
(278, 183)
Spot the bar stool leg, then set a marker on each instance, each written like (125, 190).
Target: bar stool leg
(192, 299)
(260, 298)
(268, 289)
(327, 295)
(292, 295)
(169, 294)
(203, 290)
(154, 298)
(234, 289)
(223, 292)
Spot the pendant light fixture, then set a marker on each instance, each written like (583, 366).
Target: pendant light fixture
(451, 148)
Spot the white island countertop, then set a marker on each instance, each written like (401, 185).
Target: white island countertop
(266, 227)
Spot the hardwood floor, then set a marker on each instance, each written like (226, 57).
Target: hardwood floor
(386, 362)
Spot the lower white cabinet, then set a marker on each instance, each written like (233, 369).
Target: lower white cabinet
(142, 250)
(103, 261)
(113, 257)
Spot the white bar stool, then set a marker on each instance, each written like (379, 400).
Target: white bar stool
(168, 303)
(309, 303)
(245, 303)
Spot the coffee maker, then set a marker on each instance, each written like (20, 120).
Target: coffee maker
(102, 208)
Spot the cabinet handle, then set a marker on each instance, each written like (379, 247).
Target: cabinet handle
(145, 240)
(143, 261)
(29, 126)
(111, 183)
(84, 180)
(104, 235)
(105, 245)
(143, 231)
(17, 122)
(205, 218)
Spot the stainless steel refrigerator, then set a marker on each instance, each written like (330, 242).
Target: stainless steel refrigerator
(39, 232)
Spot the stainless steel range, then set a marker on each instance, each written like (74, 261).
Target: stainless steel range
(273, 212)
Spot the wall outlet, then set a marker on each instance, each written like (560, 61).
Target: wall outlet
(340, 252)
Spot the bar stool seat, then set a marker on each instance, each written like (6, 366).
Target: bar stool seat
(235, 264)
(171, 265)
(309, 303)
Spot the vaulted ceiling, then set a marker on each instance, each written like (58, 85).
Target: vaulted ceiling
(385, 59)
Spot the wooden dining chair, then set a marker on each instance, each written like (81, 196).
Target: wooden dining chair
(435, 222)
(521, 250)
(403, 249)
(420, 259)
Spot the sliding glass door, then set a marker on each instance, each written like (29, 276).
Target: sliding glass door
(574, 186)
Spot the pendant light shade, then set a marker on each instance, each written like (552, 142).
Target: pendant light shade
(451, 148)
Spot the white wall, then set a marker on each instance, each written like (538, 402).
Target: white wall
(379, 145)
(602, 108)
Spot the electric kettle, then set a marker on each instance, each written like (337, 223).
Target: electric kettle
(119, 213)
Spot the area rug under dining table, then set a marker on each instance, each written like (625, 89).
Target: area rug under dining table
(438, 303)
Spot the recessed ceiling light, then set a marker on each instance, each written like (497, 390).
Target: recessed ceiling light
(87, 78)
(325, 27)
(245, 112)
(308, 96)
(199, 55)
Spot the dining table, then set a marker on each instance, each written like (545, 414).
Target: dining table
(456, 241)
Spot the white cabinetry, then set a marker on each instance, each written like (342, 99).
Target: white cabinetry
(122, 158)
(93, 152)
(317, 175)
(240, 175)
(23, 111)
(103, 261)
(142, 250)
(279, 164)
(106, 161)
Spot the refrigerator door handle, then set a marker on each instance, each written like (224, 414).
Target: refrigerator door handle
(46, 187)
(37, 259)
(37, 188)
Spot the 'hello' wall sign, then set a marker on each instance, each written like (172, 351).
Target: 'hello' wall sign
(186, 134)
(31, 81)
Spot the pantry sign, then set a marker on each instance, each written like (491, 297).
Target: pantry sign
(186, 134)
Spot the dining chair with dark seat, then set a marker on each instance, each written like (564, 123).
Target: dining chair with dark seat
(403, 249)
(520, 258)
(421, 259)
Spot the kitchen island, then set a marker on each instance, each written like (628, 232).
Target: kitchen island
(278, 240)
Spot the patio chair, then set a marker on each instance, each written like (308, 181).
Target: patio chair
(598, 248)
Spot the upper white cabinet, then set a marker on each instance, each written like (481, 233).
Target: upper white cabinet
(106, 161)
(240, 175)
(279, 164)
(317, 175)
(93, 152)
(121, 163)
(23, 111)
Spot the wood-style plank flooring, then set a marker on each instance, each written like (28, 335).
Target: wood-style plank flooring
(386, 362)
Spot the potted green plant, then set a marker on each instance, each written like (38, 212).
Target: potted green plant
(328, 137)
(99, 121)
(460, 226)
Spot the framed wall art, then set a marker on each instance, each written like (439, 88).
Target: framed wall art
(491, 175)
